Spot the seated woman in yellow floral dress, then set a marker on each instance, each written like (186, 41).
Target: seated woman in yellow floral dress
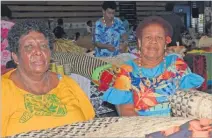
(145, 83)
(34, 98)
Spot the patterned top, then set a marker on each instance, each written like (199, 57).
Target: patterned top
(23, 111)
(5, 54)
(148, 89)
(108, 35)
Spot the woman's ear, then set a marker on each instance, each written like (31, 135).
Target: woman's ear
(139, 44)
(103, 11)
(15, 58)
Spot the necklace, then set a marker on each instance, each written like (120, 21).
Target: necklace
(32, 91)
(105, 21)
(140, 65)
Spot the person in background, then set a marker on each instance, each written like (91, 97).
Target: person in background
(208, 29)
(89, 27)
(6, 24)
(77, 36)
(176, 23)
(9, 66)
(110, 37)
(34, 98)
(59, 31)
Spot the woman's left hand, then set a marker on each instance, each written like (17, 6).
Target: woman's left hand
(123, 48)
(200, 128)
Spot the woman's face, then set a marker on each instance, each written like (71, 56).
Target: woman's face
(152, 42)
(34, 53)
(109, 13)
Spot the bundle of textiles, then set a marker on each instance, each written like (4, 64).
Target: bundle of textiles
(77, 63)
(109, 75)
(63, 45)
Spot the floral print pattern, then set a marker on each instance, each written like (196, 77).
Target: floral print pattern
(108, 35)
(42, 105)
(5, 54)
(145, 89)
(150, 88)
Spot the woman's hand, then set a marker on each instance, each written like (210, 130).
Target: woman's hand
(126, 110)
(111, 48)
(171, 130)
(123, 47)
(200, 128)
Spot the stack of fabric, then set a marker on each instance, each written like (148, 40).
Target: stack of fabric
(63, 45)
(201, 64)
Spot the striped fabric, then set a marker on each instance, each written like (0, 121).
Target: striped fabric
(78, 63)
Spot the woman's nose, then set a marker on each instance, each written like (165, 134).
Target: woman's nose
(38, 50)
(154, 40)
(111, 15)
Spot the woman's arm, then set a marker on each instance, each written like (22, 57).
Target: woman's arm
(124, 37)
(124, 43)
(126, 110)
(105, 46)
(98, 32)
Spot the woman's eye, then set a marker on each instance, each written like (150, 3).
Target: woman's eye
(28, 47)
(44, 46)
(160, 38)
(148, 37)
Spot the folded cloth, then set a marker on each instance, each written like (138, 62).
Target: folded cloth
(183, 132)
(205, 42)
(63, 45)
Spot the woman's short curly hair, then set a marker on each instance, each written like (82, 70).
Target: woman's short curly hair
(109, 4)
(23, 27)
(154, 20)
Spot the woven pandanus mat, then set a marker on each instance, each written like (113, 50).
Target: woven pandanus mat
(137, 126)
(116, 60)
(110, 127)
(191, 103)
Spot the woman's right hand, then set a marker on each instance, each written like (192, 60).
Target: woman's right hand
(111, 48)
(201, 128)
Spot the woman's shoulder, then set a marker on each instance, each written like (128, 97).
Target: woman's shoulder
(66, 81)
(4, 81)
(8, 86)
(174, 55)
(131, 62)
(8, 73)
(117, 21)
(171, 58)
(66, 78)
(99, 21)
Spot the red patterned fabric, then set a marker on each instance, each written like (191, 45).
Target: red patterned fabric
(200, 67)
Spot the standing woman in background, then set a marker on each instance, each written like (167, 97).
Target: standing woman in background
(109, 31)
